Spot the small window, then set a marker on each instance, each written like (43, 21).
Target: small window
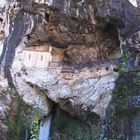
(29, 56)
(41, 57)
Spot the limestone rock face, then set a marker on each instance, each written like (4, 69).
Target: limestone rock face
(86, 95)
(5, 106)
(121, 121)
(31, 96)
(87, 39)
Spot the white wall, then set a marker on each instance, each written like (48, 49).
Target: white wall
(43, 59)
(29, 58)
(36, 59)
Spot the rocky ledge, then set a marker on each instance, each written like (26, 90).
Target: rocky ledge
(93, 40)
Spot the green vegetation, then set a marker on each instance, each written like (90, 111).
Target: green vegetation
(121, 65)
(111, 93)
(136, 82)
(35, 125)
(23, 121)
(124, 106)
(67, 127)
(18, 122)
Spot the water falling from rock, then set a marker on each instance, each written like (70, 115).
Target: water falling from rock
(44, 129)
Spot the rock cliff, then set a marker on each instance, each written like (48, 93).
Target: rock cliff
(91, 42)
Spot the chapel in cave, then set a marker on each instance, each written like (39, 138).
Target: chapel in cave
(37, 57)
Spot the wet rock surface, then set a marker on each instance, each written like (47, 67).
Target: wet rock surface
(5, 106)
(123, 110)
(90, 37)
(71, 128)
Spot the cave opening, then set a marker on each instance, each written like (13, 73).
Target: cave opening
(1, 20)
(67, 127)
(47, 16)
(111, 44)
(111, 29)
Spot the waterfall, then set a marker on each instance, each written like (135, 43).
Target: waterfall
(44, 129)
(1, 47)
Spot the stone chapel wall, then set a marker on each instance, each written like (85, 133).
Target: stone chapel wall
(36, 59)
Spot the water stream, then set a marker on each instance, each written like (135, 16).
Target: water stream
(44, 129)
